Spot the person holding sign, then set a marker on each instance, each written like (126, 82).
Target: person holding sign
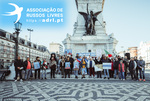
(105, 60)
(67, 67)
(122, 70)
(76, 68)
(37, 66)
(83, 67)
(98, 62)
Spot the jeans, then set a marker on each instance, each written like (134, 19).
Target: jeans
(43, 72)
(58, 69)
(27, 73)
(106, 70)
(142, 73)
(76, 72)
(115, 72)
(122, 75)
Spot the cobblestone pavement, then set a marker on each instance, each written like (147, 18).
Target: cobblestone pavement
(88, 89)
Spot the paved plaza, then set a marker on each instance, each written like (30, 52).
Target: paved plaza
(88, 89)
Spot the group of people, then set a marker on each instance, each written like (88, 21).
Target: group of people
(67, 65)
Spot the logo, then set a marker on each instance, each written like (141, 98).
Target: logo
(17, 12)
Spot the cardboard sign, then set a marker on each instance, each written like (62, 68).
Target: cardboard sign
(36, 65)
(76, 65)
(98, 67)
(67, 65)
(107, 65)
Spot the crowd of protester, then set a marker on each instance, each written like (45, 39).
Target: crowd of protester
(121, 68)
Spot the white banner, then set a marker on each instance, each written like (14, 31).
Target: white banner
(106, 65)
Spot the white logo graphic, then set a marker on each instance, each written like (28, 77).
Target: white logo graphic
(16, 11)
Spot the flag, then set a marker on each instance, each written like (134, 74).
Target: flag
(107, 53)
(79, 60)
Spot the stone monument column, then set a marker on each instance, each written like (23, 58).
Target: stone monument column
(89, 30)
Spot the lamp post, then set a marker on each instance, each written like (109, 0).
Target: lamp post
(30, 30)
(16, 34)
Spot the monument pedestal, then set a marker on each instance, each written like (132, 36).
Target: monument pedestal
(80, 42)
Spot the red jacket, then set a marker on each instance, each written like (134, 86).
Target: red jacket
(123, 67)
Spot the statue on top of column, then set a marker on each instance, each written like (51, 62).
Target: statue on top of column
(90, 19)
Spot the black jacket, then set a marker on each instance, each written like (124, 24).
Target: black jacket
(71, 61)
(116, 64)
(26, 64)
(62, 65)
(18, 63)
(131, 65)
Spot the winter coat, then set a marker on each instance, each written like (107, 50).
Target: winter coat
(26, 64)
(18, 63)
(141, 63)
(93, 64)
(132, 65)
(116, 64)
(123, 67)
(62, 64)
(53, 64)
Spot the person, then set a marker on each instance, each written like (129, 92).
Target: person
(83, 67)
(111, 71)
(18, 68)
(62, 67)
(116, 64)
(44, 67)
(58, 66)
(79, 60)
(126, 63)
(53, 64)
(37, 67)
(137, 68)
(98, 61)
(91, 65)
(132, 65)
(141, 65)
(76, 68)
(67, 67)
(71, 65)
(27, 67)
(122, 70)
(105, 60)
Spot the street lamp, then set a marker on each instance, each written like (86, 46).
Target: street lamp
(30, 30)
(17, 31)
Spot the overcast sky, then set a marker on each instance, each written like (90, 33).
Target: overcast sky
(129, 20)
